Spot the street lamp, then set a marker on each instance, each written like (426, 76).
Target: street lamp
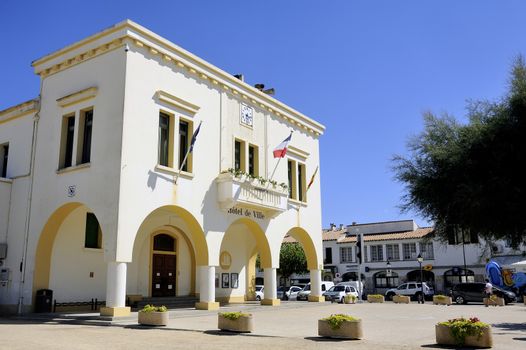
(388, 272)
(420, 260)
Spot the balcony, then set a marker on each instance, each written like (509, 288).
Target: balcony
(239, 192)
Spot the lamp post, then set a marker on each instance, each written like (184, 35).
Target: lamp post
(420, 260)
(388, 272)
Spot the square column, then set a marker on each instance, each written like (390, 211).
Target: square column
(207, 289)
(116, 291)
(315, 287)
(270, 293)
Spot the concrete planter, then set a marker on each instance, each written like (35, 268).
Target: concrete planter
(375, 299)
(401, 299)
(494, 302)
(153, 318)
(350, 299)
(442, 300)
(347, 330)
(444, 337)
(244, 324)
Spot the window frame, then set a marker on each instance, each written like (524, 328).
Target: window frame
(395, 252)
(5, 159)
(411, 252)
(98, 245)
(85, 135)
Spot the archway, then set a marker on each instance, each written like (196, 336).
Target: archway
(243, 241)
(166, 270)
(69, 258)
(457, 275)
(429, 277)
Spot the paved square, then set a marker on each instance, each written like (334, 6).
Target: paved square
(292, 326)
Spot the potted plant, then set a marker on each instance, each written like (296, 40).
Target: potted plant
(401, 299)
(464, 332)
(340, 326)
(235, 322)
(375, 298)
(442, 300)
(350, 299)
(154, 315)
(494, 300)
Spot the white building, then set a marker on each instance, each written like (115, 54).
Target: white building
(400, 243)
(92, 204)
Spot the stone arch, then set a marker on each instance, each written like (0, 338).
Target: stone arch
(302, 237)
(195, 232)
(44, 249)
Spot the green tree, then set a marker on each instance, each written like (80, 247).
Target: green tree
(291, 260)
(468, 178)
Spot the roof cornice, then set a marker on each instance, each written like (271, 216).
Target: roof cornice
(130, 33)
(19, 110)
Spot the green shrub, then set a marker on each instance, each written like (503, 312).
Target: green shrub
(233, 315)
(350, 298)
(375, 296)
(441, 297)
(335, 321)
(461, 327)
(152, 308)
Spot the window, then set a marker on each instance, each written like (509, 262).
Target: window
(292, 178)
(164, 139)
(426, 250)
(393, 252)
(460, 236)
(458, 275)
(301, 183)
(84, 145)
(4, 155)
(382, 281)
(345, 254)
(253, 159)
(66, 147)
(377, 253)
(184, 144)
(239, 155)
(409, 251)
(328, 255)
(164, 242)
(93, 237)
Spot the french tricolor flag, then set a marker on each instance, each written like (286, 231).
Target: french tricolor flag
(281, 150)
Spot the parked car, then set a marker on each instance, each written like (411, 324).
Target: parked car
(288, 293)
(463, 293)
(338, 293)
(411, 289)
(259, 292)
(356, 284)
(305, 292)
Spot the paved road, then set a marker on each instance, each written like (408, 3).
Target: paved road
(292, 326)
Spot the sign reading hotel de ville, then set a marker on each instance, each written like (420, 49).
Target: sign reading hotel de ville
(249, 213)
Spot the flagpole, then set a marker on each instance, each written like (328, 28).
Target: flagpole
(176, 177)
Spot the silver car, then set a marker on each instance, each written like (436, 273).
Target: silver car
(338, 293)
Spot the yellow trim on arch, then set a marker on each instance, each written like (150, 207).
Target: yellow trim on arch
(300, 235)
(261, 241)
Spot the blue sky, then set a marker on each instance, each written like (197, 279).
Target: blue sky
(365, 69)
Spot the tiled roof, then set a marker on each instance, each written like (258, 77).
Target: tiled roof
(331, 235)
(289, 239)
(419, 233)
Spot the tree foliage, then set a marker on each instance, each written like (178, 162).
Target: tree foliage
(292, 260)
(469, 178)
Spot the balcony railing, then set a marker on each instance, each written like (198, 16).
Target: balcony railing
(235, 191)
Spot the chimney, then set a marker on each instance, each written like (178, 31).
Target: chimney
(342, 227)
(240, 77)
(333, 226)
(260, 87)
(353, 223)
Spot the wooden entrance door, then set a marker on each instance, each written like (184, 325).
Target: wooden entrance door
(163, 275)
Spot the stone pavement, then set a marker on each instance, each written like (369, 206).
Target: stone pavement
(292, 326)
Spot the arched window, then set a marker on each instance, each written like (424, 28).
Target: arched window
(351, 276)
(164, 242)
(458, 275)
(382, 281)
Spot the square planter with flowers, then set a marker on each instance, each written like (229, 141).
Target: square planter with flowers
(401, 299)
(340, 326)
(494, 300)
(154, 316)
(375, 298)
(469, 332)
(442, 300)
(235, 322)
(350, 299)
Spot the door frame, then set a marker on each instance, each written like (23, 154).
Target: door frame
(162, 252)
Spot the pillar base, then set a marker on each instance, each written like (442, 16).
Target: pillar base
(210, 305)
(122, 311)
(316, 298)
(271, 302)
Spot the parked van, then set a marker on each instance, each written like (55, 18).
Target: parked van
(358, 285)
(304, 294)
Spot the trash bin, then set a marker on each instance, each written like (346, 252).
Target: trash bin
(43, 300)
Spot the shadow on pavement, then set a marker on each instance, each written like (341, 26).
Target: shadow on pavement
(511, 326)
(329, 340)
(437, 346)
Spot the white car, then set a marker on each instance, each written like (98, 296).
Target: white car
(288, 293)
(411, 289)
(305, 292)
(338, 293)
(259, 292)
